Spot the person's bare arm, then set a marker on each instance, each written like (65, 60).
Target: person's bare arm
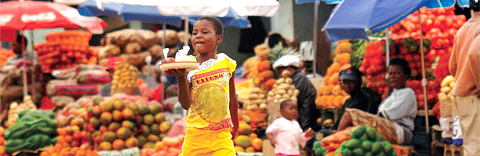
(184, 96)
(271, 138)
(233, 106)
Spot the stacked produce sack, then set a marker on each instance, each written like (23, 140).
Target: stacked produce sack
(65, 49)
(4, 55)
(16, 108)
(77, 81)
(113, 123)
(331, 94)
(363, 141)
(134, 45)
(35, 129)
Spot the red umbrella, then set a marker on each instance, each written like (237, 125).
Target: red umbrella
(29, 15)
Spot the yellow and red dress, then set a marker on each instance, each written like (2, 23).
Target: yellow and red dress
(208, 120)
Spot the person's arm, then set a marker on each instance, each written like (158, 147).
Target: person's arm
(233, 105)
(271, 138)
(272, 130)
(400, 107)
(184, 96)
(307, 135)
(474, 64)
(452, 64)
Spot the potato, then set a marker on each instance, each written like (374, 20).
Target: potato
(263, 106)
(256, 90)
(296, 92)
(286, 96)
(271, 93)
(290, 92)
(280, 81)
(253, 96)
(278, 96)
(288, 80)
(292, 87)
(294, 99)
(281, 92)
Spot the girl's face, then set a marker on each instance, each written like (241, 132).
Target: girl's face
(290, 110)
(396, 76)
(204, 37)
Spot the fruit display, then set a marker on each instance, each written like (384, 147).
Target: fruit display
(114, 123)
(125, 79)
(2, 142)
(374, 65)
(64, 49)
(331, 142)
(439, 25)
(35, 129)
(4, 55)
(246, 141)
(363, 141)
(74, 151)
(331, 95)
(16, 108)
(447, 85)
(169, 146)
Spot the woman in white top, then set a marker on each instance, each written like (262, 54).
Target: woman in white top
(396, 113)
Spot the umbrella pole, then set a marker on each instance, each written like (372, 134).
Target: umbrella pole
(315, 36)
(34, 71)
(186, 30)
(164, 36)
(424, 80)
(387, 47)
(24, 71)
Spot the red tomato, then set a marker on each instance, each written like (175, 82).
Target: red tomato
(408, 58)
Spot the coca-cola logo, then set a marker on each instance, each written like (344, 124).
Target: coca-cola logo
(44, 16)
(4, 19)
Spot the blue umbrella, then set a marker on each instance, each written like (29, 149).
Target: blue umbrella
(144, 13)
(311, 1)
(149, 13)
(352, 18)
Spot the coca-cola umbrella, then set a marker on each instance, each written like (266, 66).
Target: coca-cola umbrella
(30, 15)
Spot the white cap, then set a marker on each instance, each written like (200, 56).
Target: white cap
(287, 60)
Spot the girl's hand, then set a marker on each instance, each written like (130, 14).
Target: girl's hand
(272, 142)
(177, 72)
(309, 132)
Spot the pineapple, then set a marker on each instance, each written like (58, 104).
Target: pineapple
(279, 51)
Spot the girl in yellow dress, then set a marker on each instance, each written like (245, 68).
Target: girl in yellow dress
(208, 93)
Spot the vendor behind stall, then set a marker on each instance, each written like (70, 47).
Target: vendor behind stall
(361, 98)
(107, 89)
(17, 49)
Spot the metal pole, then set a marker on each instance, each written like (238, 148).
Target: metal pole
(164, 36)
(24, 72)
(315, 36)
(424, 80)
(33, 64)
(387, 47)
(186, 30)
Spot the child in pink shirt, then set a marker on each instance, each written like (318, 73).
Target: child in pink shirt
(285, 133)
